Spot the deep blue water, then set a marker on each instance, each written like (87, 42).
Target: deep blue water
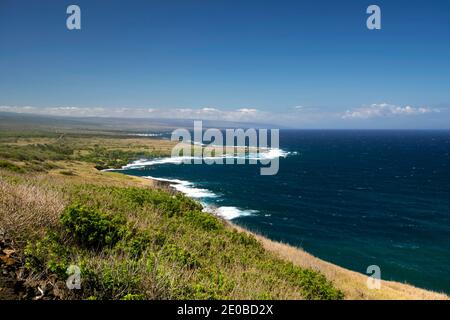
(354, 198)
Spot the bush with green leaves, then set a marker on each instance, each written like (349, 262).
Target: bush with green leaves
(204, 220)
(115, 158)
(181, 256)
(169, 204)
(92, 228)
(47, 254)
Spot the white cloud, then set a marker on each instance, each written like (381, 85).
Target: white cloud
(205, 113)
(247, 110)
(385, 110)
(209, 109)
(305, 117)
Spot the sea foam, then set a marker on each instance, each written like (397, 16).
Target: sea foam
(230, 213)
(268, 154)
(188, 188)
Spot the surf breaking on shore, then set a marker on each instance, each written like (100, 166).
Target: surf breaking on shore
(268, 154)
(201, 194)
(189, 189)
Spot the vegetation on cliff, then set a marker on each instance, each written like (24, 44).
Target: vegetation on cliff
(130, 240)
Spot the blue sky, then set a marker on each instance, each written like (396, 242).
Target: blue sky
(311, 64)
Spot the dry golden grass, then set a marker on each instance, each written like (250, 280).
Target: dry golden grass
(351, 283)
(28, 209)
(82, 172)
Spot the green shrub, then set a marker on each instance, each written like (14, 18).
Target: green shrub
(137, 243)
(214, 285)
(47, 254)
(91, 227)
(116, 278)
(106, 158)
(168, 204)
(104, 278)
(131, 296)
(244, 239)
(204, 220)
(159, 239)
(313, 285)
(316, 286)
(180, 256)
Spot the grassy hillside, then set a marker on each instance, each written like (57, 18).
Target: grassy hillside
(134, 238)
(39, 152)
(130, 240)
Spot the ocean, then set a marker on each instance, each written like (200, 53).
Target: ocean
(353, 198)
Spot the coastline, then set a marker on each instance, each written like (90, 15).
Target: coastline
(76, 173)
(352, 283)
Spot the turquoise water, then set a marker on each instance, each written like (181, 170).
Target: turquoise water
(354, 198)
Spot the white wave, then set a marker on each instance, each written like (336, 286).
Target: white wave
(277, 153)
(270, 153)
(144, 162)
(230, 213)
(187, 188)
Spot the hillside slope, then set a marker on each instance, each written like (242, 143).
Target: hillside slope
(133, 238)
